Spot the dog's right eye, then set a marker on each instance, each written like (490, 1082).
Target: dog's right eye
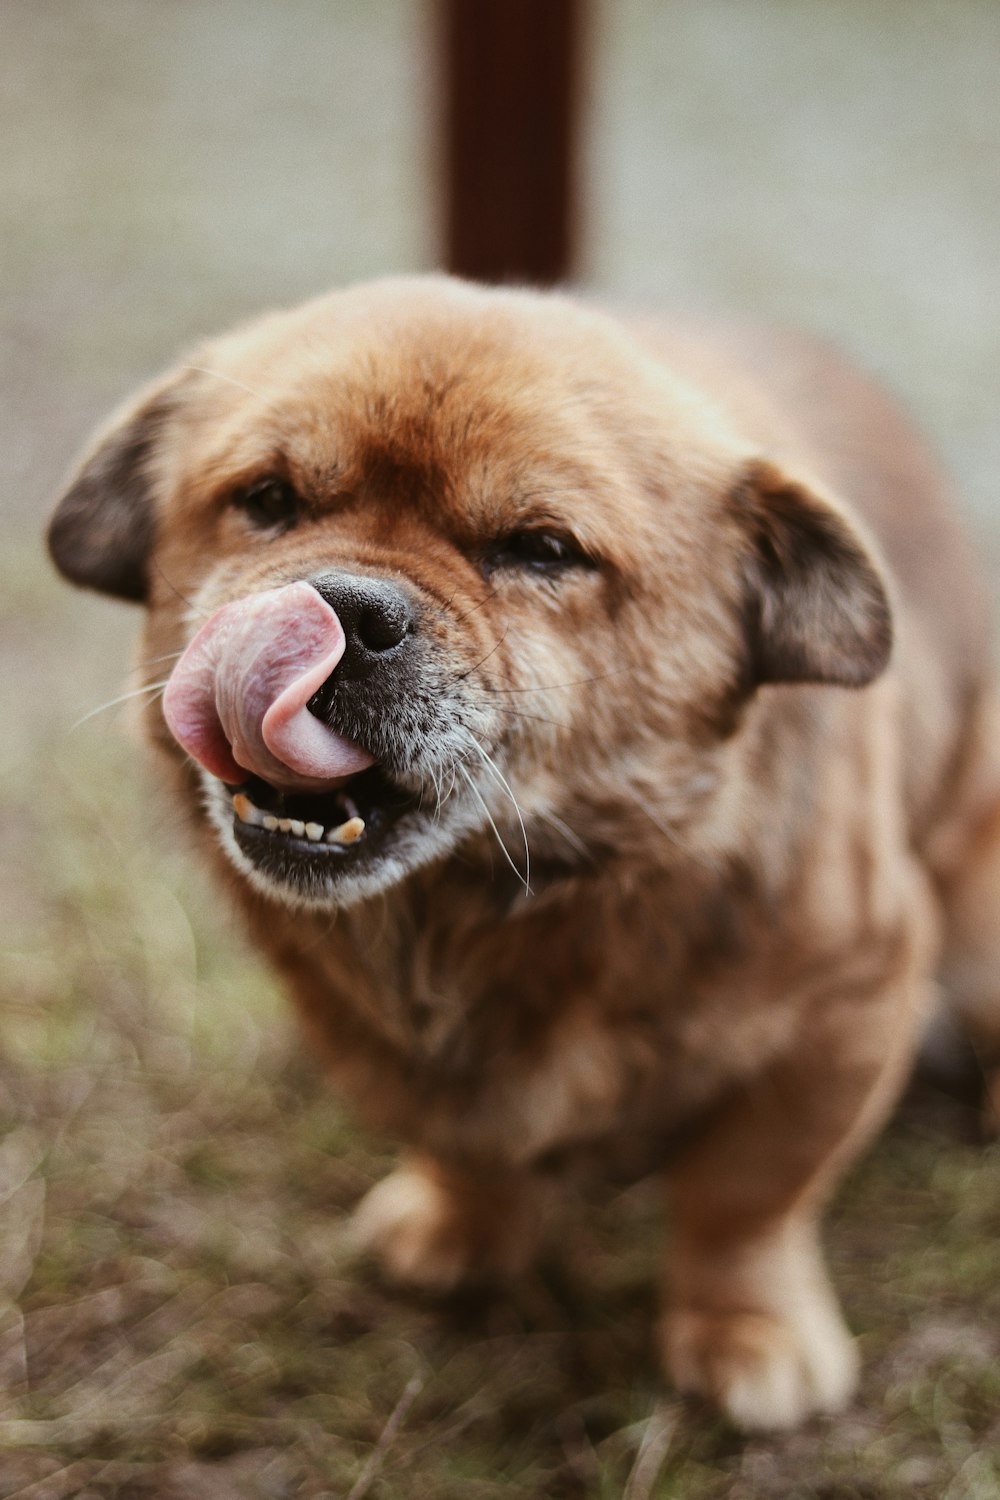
(536, 551)
(270, 504)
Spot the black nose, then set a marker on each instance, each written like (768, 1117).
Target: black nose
(376, 615)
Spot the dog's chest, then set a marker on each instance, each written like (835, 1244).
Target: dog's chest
(561, 1030)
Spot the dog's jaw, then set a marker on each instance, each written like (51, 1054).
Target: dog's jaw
(328, 878)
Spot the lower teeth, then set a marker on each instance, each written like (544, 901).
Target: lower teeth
(346, 833)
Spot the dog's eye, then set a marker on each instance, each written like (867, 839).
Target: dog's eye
(269, 503)
(536, 551)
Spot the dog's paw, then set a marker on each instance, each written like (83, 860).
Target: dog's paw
(761, 1371)
(430, 1230)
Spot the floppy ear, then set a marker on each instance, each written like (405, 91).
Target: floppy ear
(102, 531)
(816, 603)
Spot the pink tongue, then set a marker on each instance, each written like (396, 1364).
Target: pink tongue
(236, 700)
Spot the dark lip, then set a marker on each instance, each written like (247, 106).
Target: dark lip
(303, 864)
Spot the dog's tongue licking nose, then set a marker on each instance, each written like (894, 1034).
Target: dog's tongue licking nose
(236, 700)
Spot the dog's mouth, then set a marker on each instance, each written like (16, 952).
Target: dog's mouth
(295, 834)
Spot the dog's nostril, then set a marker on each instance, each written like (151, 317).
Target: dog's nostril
(383, 626)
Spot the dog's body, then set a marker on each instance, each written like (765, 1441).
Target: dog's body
(609, 584)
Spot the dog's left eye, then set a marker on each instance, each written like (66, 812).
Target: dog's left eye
(536, 551)
(269, 503)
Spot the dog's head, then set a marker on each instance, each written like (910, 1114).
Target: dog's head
(443, 569)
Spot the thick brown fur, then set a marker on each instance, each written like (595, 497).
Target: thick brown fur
(754, 836)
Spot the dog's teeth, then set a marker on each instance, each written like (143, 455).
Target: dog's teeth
(246, 812)
(347, 833)
(351, 808)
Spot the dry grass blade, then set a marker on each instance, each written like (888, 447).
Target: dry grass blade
(652, 1455)
(387, 1436)
(13, 1351)
(21, 1227)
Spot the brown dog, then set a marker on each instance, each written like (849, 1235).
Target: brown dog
(556, 659)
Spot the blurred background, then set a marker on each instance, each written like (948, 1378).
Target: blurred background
(179, 1312)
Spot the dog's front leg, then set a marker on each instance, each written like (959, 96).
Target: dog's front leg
(752, 1322)
(434, 1225)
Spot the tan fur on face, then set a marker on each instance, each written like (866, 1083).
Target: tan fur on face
(740, 738)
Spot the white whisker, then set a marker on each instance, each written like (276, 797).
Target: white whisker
(479, 798)
(153, 687)
(152, 661)
(494, 769)
(219, 375)
(572, 839)
(436, 784)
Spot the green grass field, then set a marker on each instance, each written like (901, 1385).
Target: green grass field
(182, 1313)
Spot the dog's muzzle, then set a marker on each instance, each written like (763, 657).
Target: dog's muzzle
(281, 696)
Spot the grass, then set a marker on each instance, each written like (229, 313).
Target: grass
(182, 1314)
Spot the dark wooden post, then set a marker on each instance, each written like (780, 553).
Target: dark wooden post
(510, 112)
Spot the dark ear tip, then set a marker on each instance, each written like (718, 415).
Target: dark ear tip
(871, 647)
(96, 544)
(818, 605)
(102, 532)
(102, 577)
(60, 541)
